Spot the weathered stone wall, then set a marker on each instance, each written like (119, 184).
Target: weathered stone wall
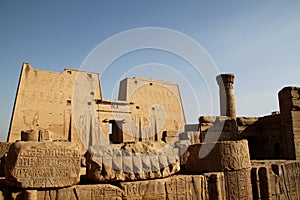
(275, 179)
(70, 105)
(176, 187)
(193, 187)
(77, 192)
(217, 128)
(269, 180)
(44, 100)
(275, 136)
(265, 136)
(156, 109)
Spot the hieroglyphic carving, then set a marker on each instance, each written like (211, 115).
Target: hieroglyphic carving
(193, 187)
(224, 156)
(95, 192)
(238, 184)
(151, 190)
(276, 179)
(292, 175)
(158, 105)
(43, 165)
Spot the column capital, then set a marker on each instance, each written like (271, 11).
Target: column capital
(225, 79)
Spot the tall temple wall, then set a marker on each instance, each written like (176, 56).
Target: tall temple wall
(156, 109)
(44, 100)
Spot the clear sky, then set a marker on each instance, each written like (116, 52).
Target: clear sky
(258, 41)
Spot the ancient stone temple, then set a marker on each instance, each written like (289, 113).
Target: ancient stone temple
(67, 142)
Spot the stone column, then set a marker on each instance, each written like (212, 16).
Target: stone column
(227, 101)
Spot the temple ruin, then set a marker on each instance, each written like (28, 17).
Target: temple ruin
(66, 142)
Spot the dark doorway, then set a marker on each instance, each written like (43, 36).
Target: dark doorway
(116, 133)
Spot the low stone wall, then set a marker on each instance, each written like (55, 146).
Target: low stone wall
(269, 180)
(225, 173)
(176, 187)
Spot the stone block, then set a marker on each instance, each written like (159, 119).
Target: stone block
(186, 187)
(138, 161)
(95, 192)
(238, 184)
(43, 165)
(150, 190)
(224, 156)
(214, 128)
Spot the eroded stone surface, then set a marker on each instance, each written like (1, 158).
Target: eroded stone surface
(78, 192)
(137, 161)
(43, 165)
(37, 135)
(193, 187)
(4, 147)
(176, 187)
(229, 185)
(98, 191)
(224, 156)
(238, 184)
(221, 128)
(275, 179)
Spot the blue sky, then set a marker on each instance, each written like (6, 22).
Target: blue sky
(258, 41)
